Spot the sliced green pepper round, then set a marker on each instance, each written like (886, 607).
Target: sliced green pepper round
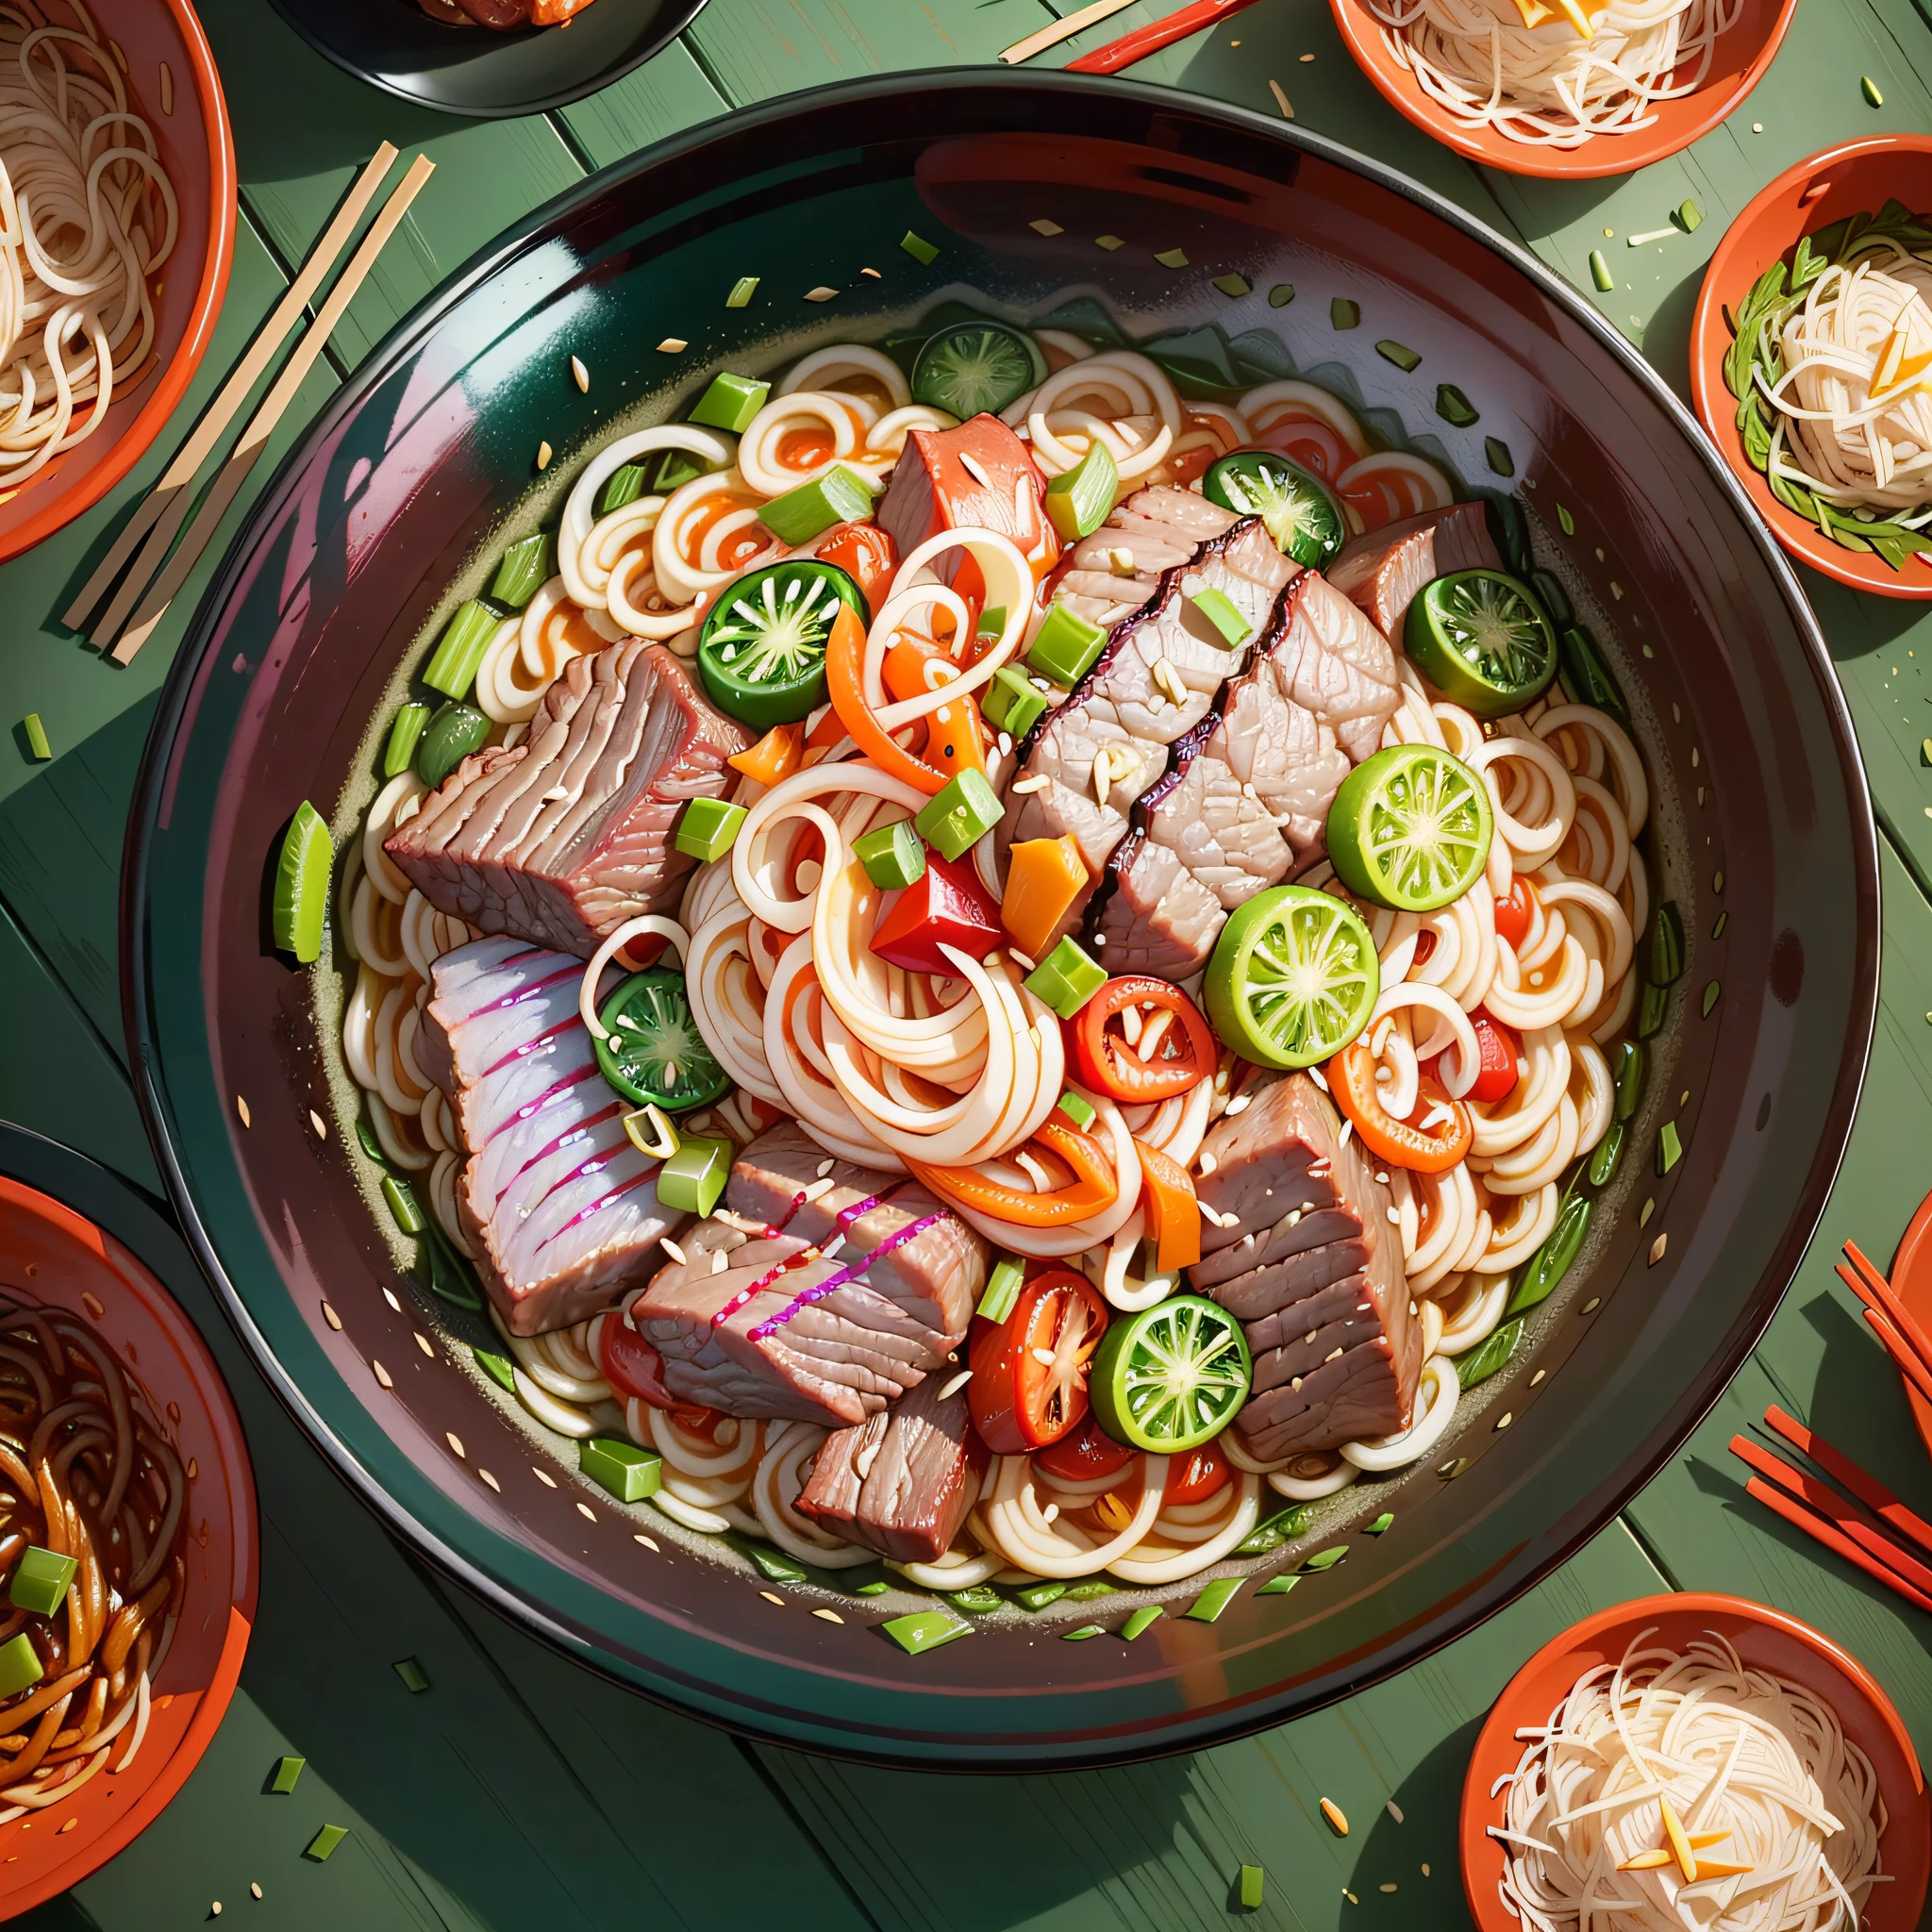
(1299, 509)
(447, 740)
(1410, 829)
(761, 654)
(1170, 1377)
(1483, 640)
(653, 1053)
(1293, 977)
(976, 367)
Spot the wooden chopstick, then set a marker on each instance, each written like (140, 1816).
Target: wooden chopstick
(261, 426)
(1833, 1538)
(1847, 1475)
(1888, 1300)
(1063, 30)
(1849, 1517)
(172, 496)
(1145, 40)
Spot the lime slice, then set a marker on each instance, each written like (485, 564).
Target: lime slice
(1293, 977)
(1483, 640)
(976, 368)
(1410, 829)
(1299, 509)
(300, 895)
(1167, 1380)
(653, 1053)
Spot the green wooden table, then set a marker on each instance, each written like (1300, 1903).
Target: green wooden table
(520, 1791)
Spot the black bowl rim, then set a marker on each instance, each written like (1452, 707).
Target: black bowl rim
(1638, 1469)
(294, 19)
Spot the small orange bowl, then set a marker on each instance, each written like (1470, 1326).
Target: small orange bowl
(1766, 1639)
(1860, 176)
(198, 150)
(51, 1255)
(1737, 61)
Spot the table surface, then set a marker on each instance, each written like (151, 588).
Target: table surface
(520, 1790)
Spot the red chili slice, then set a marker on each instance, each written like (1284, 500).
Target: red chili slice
(1086, 1452)
(1163, 1058)
(1029, 1374)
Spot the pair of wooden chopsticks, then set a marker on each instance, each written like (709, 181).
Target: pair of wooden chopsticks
(1130, 47)
(1867, 1525)
(122, 620)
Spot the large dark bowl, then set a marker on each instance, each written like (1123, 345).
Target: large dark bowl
(424, 460)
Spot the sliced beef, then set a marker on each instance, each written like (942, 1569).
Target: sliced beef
(977, 477)
(1337, 1352)
(780, 1332)
(1334, 664)
(559, 1206)
(936, 1276)
(561, 839)
(1117, 570)
(1383, 571)
(900, 1482)
(1124, 706)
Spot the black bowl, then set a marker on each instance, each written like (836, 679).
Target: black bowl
(484, 75)
(424, 464)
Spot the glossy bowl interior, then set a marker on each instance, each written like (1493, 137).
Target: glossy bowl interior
(50, 1253)
(1858, 177)
(1738, 59)
(395, 46)
(1765, 1640)
(424, 465)
(198, 150)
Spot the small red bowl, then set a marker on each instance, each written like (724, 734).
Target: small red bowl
(1737, 61)
(1766, 1639)
(198, 149)
(50, 1254)
(1860, 176)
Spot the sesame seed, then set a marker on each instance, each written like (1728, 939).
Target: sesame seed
(455, 1441)
(382, 1375)
(771, 1596)
(321, 1126)
(585, 1510)
(490, 1480)
(329, 1315)
(828, 1616)
(672, 345)
(242, 1108)
(549, 1482)
(543, 453)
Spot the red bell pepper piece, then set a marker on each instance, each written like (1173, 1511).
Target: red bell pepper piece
(946, 906)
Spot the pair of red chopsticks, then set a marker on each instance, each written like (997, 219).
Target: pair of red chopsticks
(1151, 38)
(1867, 1525)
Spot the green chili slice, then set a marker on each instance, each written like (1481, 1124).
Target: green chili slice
(761, 654)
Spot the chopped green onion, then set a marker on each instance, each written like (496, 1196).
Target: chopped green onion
(925, 1629)
(1010, 704)
(498, 1368)
(1173, 257)
(1497, 453)
(1710, 994)
(1653, 1004)
(978, 1600)
(1666, 944)
(365, 1136)
(1342, 314)
(840, 496)
(286, 1771)
(1272, 1531)
(1567, 520)
(324, 1841)
(961, 814)
(1232, 284)
(447, 740)
(1404, 357)
(525, 570)
(1086, 1592)
(1083, 1633)
(1253, 1879)
(1066, 646)
(1077, 1110)
(771, 1564)
(402, 1203)
(1600, 272)
(404, 729)
(731, 402)
(876, 1586)
(919, 249)
(1002, 1290)
(992, 622)
(1690, 216)
(629, 1473)
(301, 894)
(1221, 610)
(1066, 979)
(1213, 1600)
(1381, 1524)
(1454, 406)
(1109, 241)
(1079, 500)
(741, 292)
(707, 827)
(625, 485)
(40, 1581)
(1326, 1559)
(1281, 295)
(1479, 1363)
(692, 1180)
(1608, 1156)
(1146, 1614)
(1669, 1149)
(1717, 931)
(452, 669)
(37, 736)
(415, 1678)
(1037, 1597)
(891, 855)
(1868, 88)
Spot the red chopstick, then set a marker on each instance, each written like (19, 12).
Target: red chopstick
(1833, 1538)
(1843, 1471)
(1151, 38)
(1900, 1350)
(1889, 1304)
(1849, 1517)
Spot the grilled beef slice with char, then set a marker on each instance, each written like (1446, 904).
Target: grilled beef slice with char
(902, 1482)
(1119, 708)
(562, 839)
(833, 1361)
(559, 1207)
(936, 1276)
(1351, 1291)
(1383, 571)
